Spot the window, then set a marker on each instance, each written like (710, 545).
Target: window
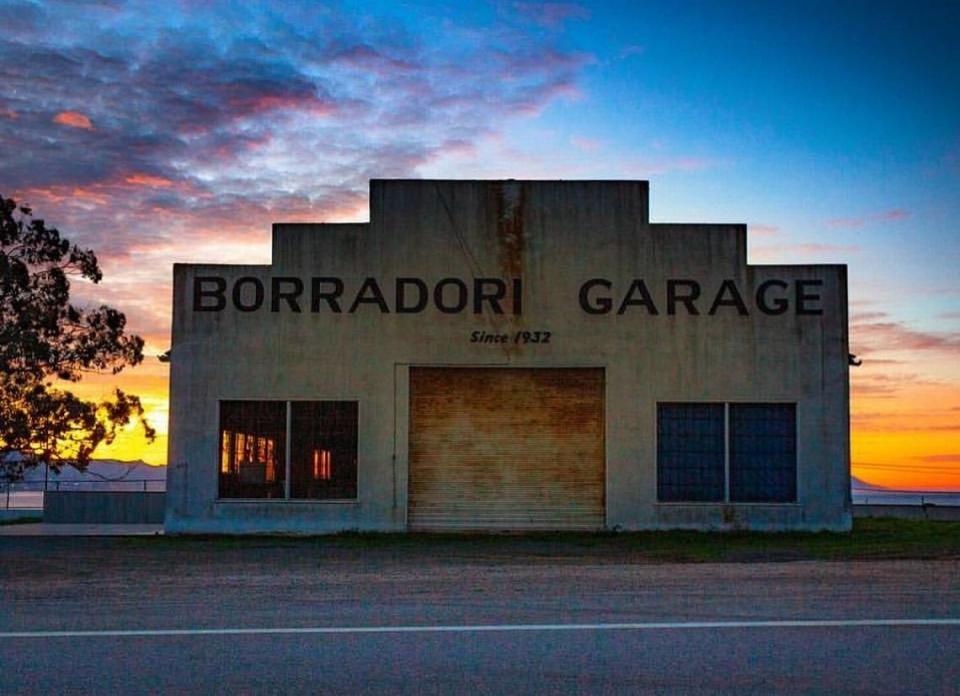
(320, 463)
(690, 452)
(252, 446)
(714, 452)
(323, 459)
(763, 446)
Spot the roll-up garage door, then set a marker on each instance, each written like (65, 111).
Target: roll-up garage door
(509, 448)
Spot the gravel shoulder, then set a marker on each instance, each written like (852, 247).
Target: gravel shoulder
(107, 583)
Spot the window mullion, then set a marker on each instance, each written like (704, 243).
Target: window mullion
(286, 453)
(726, 452)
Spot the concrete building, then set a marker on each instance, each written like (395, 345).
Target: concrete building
(508, 355)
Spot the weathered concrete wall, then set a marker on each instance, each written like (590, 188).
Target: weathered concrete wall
(554, 236)
(104, 507)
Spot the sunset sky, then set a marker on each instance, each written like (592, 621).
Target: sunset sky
(162, 132)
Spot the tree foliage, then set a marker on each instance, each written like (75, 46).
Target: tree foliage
(45, 338)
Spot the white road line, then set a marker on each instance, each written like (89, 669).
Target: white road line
(479, 628)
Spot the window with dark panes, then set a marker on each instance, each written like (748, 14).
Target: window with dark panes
(323, 456)
(738, 452)
(763, 453)
(322, 460)
(690, 452)
(252, 449)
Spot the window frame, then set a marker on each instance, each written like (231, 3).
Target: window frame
(726, 501)
(286, 499)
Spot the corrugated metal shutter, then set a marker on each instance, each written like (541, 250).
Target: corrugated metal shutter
(494, 448)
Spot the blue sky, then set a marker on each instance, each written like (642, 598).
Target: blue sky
(163, 132)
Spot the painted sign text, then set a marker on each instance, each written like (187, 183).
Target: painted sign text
(410, 295)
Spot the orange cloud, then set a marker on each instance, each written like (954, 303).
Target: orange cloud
(256, 104)
(936, 458)
(74, 119)
(148, 180)
(89, 194)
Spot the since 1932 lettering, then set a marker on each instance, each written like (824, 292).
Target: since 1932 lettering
(521, 337)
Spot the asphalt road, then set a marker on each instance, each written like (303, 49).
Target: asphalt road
(98, 586)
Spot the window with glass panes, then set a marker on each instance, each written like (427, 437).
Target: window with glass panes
(320, 462)
(726, 452)
(690, 454)
(763, 453)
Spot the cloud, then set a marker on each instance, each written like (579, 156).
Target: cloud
(74, 119)
(146, 133)
(21, 15)
(760, 230)
(861, 317)
(940, 459)
(785, 251)
(813, 248)
(864, 383)
(180, 133)
(873, 332)
(148, 180)
(900, 421)
(304, 102)
(586, 144)
(895, 214)
(857, 222)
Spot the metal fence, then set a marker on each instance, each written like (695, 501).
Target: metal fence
(28, 495)
(889, 496)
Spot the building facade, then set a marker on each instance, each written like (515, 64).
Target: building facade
(508, 355)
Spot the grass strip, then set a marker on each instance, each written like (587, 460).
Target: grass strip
(870, 539)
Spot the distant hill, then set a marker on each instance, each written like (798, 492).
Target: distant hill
(869, 493)
(861, 485)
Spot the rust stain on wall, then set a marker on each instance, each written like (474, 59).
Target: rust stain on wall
(510, 203)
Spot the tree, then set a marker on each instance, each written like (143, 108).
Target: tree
(44, 338)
